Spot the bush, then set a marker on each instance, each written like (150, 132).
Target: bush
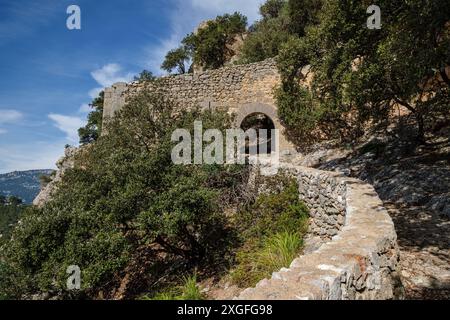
(125, 193)
(209, 47)
(360, 77)
(9, 216)
(271, 232)
(276, 252)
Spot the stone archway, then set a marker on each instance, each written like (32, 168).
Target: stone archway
(269, 111)
(260, 121)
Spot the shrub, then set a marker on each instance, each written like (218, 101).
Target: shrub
(361, 76)
(271, 231)
(276, 252)
(124, 193)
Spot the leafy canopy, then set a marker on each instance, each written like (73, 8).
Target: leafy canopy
(125, 193)
(210, 46)
(93, 129)
(362, 76)
(281, 19)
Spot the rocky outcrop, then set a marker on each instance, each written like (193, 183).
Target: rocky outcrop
(66, 162)
(361, 260)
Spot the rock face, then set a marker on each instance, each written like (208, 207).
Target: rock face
(66, 162)
(362, 259)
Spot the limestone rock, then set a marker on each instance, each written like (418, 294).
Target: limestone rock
(66, 162)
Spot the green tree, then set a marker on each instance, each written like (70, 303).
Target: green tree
(210, 46)
(271, 9)
(281, 19)
(302, 14)
(2, 200)
(93, 129)
(176, 59)
(14, 201)
(145, 75)
(362, 75)
(265, 39)
(124, 194)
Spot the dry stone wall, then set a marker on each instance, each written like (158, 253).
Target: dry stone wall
(229, 87)
(361, 258)
(239, 89)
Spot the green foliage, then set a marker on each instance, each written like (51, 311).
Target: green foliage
(144, 76)
(276, 252)
(209, 46)
(188, 290)
(281, 20)
(362, 75)
(10, 212)
(302, 14)
(12, 283)
(93, 129)
(272, 230)
(176, 59)
(14, 201)
(125, 192)
(271, 8)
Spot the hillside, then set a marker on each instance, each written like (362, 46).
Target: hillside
(23, 184)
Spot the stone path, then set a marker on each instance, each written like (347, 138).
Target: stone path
(414, 184)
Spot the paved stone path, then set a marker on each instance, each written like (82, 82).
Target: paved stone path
(414, 184)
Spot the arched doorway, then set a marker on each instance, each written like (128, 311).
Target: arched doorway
(281, 146)
(259, 122)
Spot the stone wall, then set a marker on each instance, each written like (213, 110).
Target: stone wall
(361, 260)
(325, 195)
(228, 87)
(240, 89)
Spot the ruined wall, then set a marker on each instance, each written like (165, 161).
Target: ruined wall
(240, 89)
(361, 258)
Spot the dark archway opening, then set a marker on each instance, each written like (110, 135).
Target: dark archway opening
(258, 121)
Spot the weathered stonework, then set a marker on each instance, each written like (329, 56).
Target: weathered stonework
(240, 89)
(361, 260)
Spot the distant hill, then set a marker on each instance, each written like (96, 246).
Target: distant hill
(23, 184)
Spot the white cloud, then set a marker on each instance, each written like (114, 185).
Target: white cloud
(188, 14)
(67, 124)
(10, 116)
(85, 108)
(35, 155)
(95, 92)
(110, 74)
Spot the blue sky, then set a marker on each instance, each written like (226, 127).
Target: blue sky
(49, 74)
